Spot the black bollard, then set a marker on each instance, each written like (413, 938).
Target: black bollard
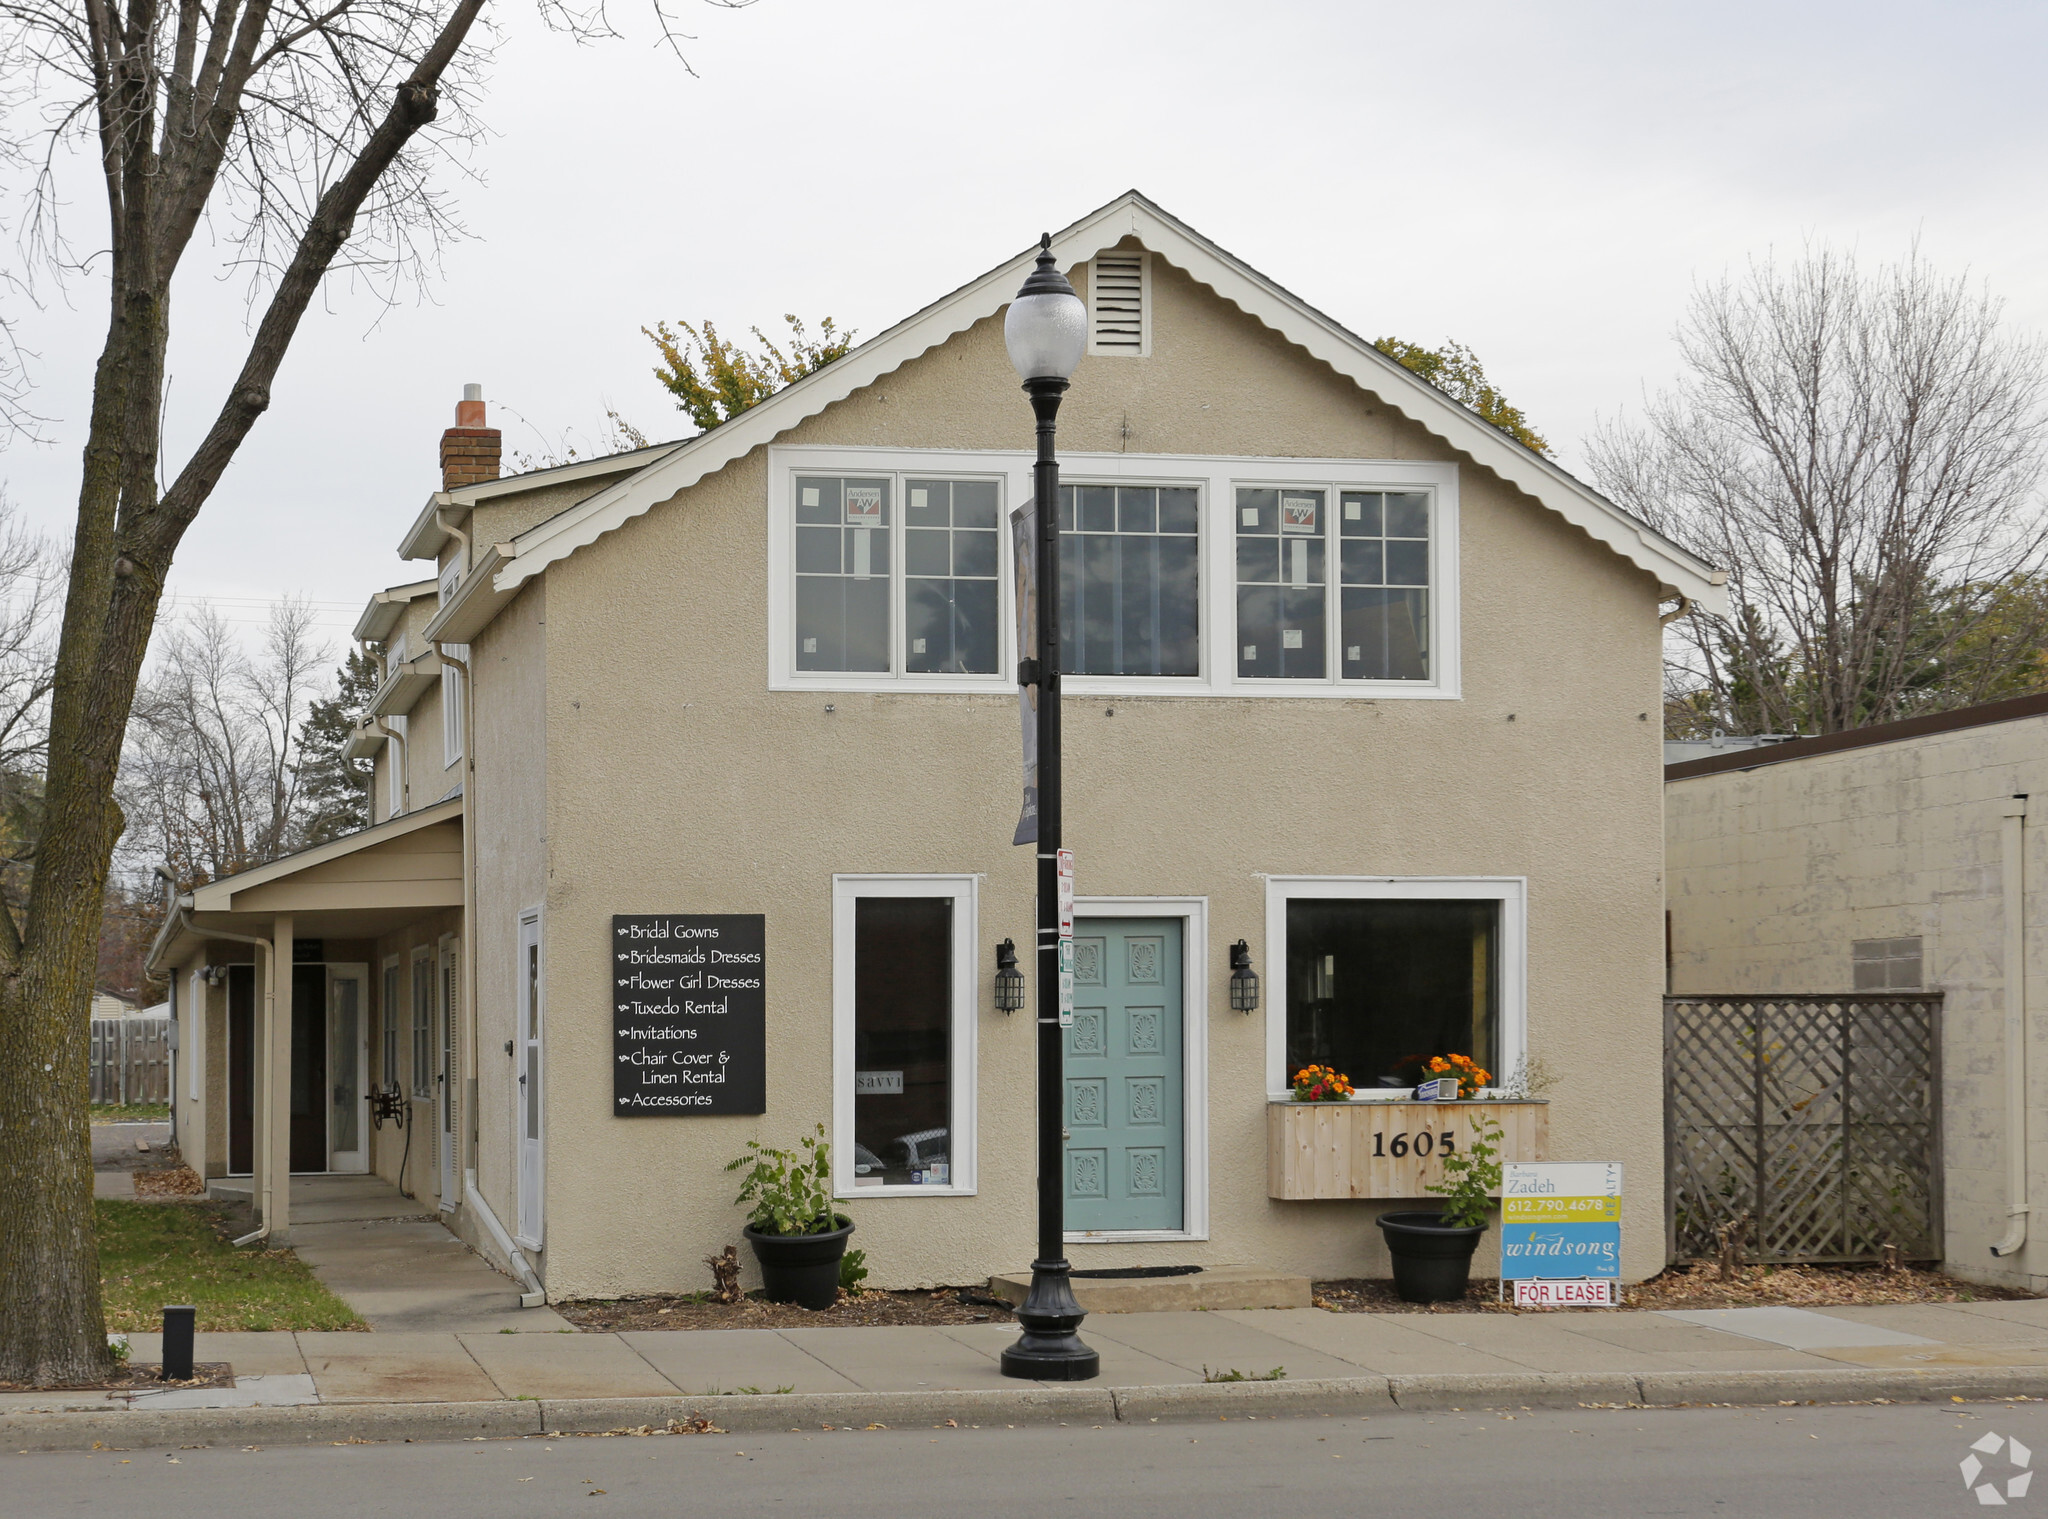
(178, 1343)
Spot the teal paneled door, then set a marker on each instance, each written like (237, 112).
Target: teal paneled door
(1125, 1129)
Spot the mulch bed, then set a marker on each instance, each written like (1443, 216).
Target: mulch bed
(946, 1305)
(1699, 1285)
(143, 1376)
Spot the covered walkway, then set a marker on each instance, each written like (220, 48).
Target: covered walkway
(390, 1258)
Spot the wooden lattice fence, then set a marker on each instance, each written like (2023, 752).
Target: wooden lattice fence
(1818, 1117)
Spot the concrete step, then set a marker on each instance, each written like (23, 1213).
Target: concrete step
(1213, 1287)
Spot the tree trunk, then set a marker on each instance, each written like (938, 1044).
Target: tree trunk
(52, 1328)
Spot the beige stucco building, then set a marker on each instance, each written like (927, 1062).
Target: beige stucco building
(1900, 856)
(1354, 678)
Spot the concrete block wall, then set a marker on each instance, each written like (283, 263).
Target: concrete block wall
(1772, 873)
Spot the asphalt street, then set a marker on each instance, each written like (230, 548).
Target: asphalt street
(1777, 1463)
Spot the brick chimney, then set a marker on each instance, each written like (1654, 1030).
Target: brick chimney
(470, 451)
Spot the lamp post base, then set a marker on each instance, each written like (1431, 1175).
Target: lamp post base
(1049, 1349)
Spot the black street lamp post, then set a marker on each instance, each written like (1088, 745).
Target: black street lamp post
(1046, 331)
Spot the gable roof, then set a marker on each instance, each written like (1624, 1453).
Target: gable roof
(386, 607)
(426, 537)
(511, 565)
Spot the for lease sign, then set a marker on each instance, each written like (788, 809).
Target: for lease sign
(1560, 1221)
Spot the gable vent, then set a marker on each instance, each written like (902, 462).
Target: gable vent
(1120, 305)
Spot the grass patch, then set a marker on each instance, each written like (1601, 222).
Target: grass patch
(157, 1253)
(131, 1112)
(1277, 1374)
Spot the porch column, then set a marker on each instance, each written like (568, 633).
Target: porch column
(277, 1138)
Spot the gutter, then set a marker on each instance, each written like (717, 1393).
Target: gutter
(181, 904)
(2013, 844)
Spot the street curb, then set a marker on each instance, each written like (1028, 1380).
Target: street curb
(304, 1424)
(1852, 1384)
(996, 1408)
(1536, 1389)
(1199, 1400)
(765, 1413)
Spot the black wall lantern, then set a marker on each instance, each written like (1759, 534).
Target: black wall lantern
(1009, 980)
(1244, 981)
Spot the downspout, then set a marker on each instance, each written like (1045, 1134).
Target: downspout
(392, 735)
(469, 934)
(446, 523)
(181, 905)
(536, 1293)
(1684, 606)
(2014, 861)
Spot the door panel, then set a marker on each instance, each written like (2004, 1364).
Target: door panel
(348, 1060)
(446, 1091)
(241, 1070)
(309, 1068)
(529, 1095)
(1126, 1160)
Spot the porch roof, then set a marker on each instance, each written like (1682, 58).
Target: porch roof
(356, 887)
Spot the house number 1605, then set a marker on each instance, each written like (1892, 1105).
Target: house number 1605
(1424, 1143)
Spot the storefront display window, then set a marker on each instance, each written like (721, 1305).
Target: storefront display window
(902, 1016)
(904, 1033)
(1376, 988)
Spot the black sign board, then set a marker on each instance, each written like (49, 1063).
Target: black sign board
(689, 1014)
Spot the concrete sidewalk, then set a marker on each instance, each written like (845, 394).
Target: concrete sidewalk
(1291, 1359)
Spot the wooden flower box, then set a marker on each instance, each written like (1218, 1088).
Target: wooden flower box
(1385, 1149)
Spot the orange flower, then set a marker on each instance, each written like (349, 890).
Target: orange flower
(1318, 1083)
(1471, 1077)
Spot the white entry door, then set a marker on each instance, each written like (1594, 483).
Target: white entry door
(447, 1106)
(348, 1068)
(529, 1096)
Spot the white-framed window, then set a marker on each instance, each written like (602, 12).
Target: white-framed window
(904, 998)
(1371, 976)
(451, 705)
(388, 1013)
(452, 573)
(898, 574)
(1343, 583)
(1333, 589)
(1131, 579)
(423, 1022)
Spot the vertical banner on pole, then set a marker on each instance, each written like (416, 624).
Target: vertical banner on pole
(1066, 876)
(1024, 544)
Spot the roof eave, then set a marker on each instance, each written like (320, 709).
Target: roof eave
(1678, 572)
(385, 608)
(476, 601)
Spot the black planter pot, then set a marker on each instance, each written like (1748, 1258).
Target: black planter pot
(1432, 1259)
(800, 1268)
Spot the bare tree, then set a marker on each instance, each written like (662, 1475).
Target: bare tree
(306, 133)
(31, 582)
(1861, 452)
(210, 782)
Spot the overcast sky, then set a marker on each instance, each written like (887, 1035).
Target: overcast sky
(1543, 183)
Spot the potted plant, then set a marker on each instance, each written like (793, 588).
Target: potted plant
(795, 1234)
(1432, 1251)
(1471, 1077)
